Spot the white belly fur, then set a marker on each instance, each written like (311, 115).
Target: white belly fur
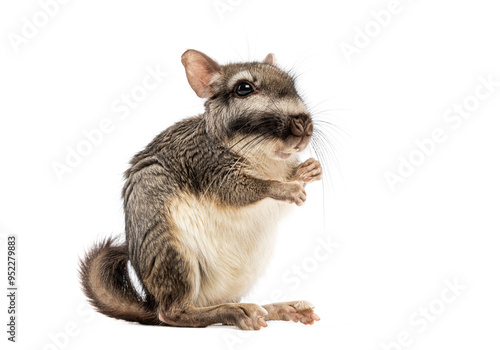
(228, 248)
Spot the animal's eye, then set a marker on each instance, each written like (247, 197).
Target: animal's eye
(244, 89)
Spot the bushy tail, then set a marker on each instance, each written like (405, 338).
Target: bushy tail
(105, 281)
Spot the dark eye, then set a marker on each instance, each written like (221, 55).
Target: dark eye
(244, 89)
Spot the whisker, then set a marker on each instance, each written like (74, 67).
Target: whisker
(259, 139)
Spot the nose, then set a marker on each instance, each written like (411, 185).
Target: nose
(301, 125)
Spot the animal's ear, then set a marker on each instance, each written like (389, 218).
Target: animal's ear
(270, 59)
(201, 72)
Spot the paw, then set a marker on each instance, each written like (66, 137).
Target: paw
(294, 192)
(308, 171)
(295, 311)
(250, 317)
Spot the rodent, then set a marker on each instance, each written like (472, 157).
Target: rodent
(202, 202)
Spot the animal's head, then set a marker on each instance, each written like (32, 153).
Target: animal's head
(251, 104)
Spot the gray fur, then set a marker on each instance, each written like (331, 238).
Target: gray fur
(211, 156)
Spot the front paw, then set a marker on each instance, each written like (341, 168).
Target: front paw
(291, 192)
(308, 171)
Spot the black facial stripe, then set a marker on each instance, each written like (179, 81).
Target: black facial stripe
(252, 125)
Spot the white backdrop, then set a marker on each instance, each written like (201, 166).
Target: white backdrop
(403, 253)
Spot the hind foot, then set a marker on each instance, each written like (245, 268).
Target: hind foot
(295, 311)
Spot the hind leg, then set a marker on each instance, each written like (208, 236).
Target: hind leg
(170, 276)
(295, 311)
(243, 316)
